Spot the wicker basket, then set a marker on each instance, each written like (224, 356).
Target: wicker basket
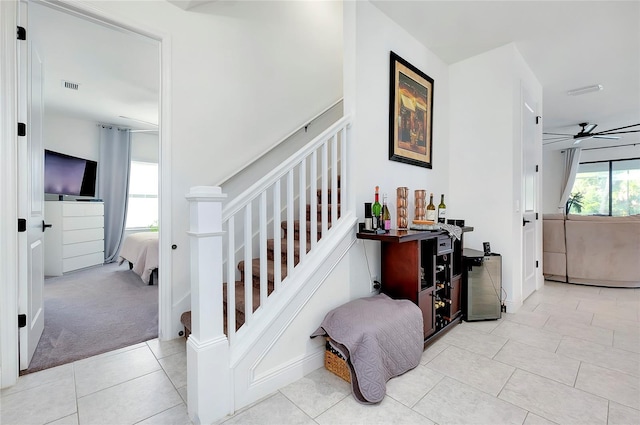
(335, 363)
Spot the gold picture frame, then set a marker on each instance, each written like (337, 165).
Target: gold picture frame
(410, 114)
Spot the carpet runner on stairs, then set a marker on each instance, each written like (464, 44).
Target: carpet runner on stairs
(185, 319)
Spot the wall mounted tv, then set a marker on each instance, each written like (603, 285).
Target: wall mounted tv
(69, 175)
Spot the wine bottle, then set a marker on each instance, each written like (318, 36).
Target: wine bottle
(376, 211)
(442, 210)
(431, 210)
(386, 217)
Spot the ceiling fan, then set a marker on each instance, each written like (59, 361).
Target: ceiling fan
(586, 132)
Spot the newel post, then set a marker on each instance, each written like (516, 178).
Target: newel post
(209, 384)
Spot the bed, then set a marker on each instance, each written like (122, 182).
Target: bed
(141, 251)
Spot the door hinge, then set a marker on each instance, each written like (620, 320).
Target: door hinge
(22, 33)
(538, 119)
(22, 225)
(537, 169)
(22, 129)
(537, 264)
(536, 216)
(22, 320)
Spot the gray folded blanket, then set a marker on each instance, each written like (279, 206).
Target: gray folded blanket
(380, 337)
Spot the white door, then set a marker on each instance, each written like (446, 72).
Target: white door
(30, 195)
(529, 195)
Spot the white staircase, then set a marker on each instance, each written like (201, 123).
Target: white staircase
(309, 193)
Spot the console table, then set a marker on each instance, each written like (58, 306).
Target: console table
(425, 267)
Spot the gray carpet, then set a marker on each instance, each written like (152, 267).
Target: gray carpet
(93, 311)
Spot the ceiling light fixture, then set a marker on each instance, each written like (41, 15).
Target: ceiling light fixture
(584, 90)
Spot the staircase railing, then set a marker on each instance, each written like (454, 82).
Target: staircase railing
(227, 243)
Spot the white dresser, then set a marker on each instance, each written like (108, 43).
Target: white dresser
(76, 238)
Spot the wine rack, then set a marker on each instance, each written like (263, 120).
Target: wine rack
(424, 267)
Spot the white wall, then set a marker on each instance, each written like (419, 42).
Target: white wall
(486, 147)
(71, 135)
(367, 83)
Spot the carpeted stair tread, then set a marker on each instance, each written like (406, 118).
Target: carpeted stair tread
(284, 248)
(319, 212)
(256, 272)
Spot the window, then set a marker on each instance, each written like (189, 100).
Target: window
(142, 211)
(608, 188)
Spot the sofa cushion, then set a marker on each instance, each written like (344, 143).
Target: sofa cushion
(603, 250)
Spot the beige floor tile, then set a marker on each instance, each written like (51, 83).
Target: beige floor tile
(67, 420)
(627, 311)
(174, 416)
(534, 337)
(613, 385)
(529, 318)
(601, 355)
(568, 314)
(40, 404)
(615, 323)
(555, 401)
(486, 326)
(101, 372)
(533, 419)
(129, 402)
(579, 330)
(622, 415)
(452, 402)
(175, 366)
(167, 348)
(413, 385)
(472, 369)
(317, 392)
(627, 340)
(275, 410)
(32, 380)
(388, 411)
(432, 351)
(470, 339)
(550, 365)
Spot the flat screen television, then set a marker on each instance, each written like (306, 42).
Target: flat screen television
(69, 175)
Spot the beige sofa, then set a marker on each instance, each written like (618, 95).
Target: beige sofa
(592, 250)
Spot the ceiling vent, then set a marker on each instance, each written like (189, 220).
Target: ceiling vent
(70, 85)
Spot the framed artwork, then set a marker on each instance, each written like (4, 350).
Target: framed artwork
(410, 114)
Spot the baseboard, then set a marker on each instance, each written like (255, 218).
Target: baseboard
(291, 371)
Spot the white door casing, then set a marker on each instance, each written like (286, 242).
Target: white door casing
(529, 194)
(31, 194)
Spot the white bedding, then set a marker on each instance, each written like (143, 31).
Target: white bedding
(141, 250)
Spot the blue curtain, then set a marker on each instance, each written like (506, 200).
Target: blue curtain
(113, 186)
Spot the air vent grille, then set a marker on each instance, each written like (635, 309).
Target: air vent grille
(70, 85)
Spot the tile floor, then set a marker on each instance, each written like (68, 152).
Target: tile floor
(571, 355)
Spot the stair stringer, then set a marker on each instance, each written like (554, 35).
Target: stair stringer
(270, 323)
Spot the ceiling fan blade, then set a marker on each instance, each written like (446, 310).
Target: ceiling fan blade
(606, 133)
(558, 134)
(604, 136)
(620, 128)
(589, 128)
(555, 140)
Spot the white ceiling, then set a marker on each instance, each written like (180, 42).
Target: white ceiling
(118, 72)
(567, 44)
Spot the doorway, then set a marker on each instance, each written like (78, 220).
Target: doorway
(79, 54)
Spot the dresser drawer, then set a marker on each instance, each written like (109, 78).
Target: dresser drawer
(83, 235)
(82, 261)
(79, 209)
(82, 248)
(75, 223)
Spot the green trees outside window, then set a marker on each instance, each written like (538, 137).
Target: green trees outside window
(608, 188)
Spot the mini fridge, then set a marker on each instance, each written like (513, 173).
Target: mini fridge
(482, 295)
